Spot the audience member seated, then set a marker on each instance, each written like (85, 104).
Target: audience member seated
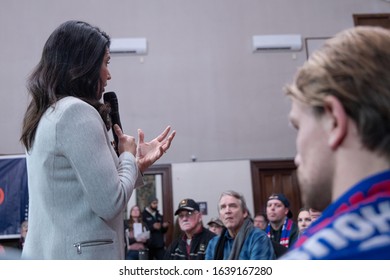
(260, 221)
(340, 107)
(240, 240)
(193, 242)
(304, 220)
(281, 228)
(215, 225)
(314, 214)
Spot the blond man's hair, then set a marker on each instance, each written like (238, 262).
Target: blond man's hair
(353, 66)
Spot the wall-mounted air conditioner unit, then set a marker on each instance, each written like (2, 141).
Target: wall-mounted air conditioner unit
(288, 42)
(128, 45)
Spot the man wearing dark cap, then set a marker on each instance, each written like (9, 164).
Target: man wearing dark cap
(154, 222)
(281, 228)
(216, 226)
(193, 243)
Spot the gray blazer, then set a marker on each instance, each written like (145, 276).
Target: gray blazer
(78, 188)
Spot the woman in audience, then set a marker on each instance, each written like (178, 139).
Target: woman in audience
(136, 234)
(304, 220)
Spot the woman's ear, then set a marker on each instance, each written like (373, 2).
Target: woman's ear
(336, 121)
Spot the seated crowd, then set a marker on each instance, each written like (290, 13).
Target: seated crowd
(234, 235)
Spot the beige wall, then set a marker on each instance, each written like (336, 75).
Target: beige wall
(200, 76)
(205, 181)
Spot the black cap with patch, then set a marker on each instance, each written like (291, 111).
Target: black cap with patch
(187, 204)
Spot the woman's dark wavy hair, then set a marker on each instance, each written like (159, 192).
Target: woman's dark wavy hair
(70, 66)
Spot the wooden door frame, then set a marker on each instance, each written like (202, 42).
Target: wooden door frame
(382, 19)
(265, 165)
(165, 170)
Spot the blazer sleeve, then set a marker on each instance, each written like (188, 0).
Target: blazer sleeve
(82, 138)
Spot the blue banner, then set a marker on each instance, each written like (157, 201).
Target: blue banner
(13, 194)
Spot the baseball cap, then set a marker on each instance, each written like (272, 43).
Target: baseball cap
(284, 200)
(215, 221)
(187, 204)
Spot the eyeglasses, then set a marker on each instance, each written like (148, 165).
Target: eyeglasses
(188, 214)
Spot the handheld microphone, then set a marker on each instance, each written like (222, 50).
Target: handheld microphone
(111, 99)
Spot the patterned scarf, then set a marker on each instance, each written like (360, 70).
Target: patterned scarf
(356, 226)
(286, 230)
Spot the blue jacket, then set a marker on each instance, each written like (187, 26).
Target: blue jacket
(256, 247)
